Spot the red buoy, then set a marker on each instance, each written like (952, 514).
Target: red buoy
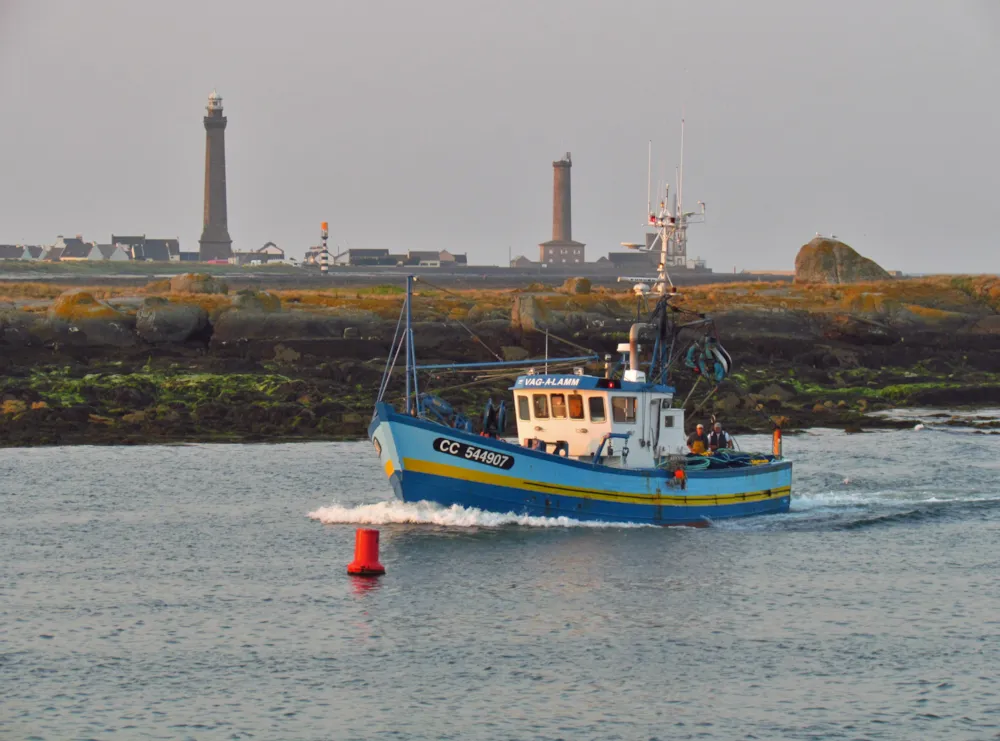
(365, 554)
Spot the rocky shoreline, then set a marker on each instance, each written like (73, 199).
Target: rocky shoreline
(186, 361)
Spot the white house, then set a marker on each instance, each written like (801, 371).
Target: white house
(110, 253)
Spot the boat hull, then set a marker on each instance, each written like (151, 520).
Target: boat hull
(429, 462)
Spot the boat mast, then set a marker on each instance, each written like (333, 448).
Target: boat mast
(411, 357)
(671, 222)
(649, 181)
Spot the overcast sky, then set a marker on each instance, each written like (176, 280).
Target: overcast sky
(433, 124)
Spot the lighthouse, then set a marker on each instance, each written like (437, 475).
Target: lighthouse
(561, 250)
(215, 243)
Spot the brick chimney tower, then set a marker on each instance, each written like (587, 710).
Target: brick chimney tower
(215, 243)
(561, 249)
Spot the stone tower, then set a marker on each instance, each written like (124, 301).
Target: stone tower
(215, 243)
(562, 217)
(561, 249)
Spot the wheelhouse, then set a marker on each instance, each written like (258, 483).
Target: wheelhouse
(632, 424)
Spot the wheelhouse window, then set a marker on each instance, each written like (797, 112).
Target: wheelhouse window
(623, 409)
(523, 407)
(559, 406)
(575, 406)
(541, 404)
(597, 413)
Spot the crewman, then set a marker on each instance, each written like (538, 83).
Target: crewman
(697, 441)
(718, 438)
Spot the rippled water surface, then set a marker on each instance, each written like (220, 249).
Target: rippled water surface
(199, 592)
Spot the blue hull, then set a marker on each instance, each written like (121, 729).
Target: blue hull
(430, 462)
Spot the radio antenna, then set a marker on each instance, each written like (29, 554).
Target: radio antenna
(649, 182)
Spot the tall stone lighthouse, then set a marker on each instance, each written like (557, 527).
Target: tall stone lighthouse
(215, 243)
(561, 249)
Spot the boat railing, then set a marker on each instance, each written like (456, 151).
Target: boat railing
(612, 436)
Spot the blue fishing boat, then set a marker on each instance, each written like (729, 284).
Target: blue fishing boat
(609, 447)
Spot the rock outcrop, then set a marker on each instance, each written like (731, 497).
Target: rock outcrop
(527, 314)
(576, 285)
(197, 283)
(77, 318)
(829, 261)
(250, 299)
(78, 305)
(160, 321)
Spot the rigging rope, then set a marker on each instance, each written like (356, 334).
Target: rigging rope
(481, 342)
(472, 334)
(388, 368)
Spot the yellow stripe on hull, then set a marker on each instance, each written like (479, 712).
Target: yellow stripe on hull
(485, 477)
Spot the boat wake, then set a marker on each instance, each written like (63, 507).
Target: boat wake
(394, 512)
(855, 510)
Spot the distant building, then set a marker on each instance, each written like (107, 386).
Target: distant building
(73, 248)
(128, 243)
(142, 249)
(559, 253)
(21, 252)
(215, 243)
(450, 259)
(312, 255)
(162, 250)
(433, 259)
(635, 260)
(271, 249)
(423, 259)
(522, 262)
(381, 257)
(639, 260)
(363, 257)
(270, 252)
(561, 249)
(110, 252)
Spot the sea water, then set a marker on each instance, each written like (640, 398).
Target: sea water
(199, 592)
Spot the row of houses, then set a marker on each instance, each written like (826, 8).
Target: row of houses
(632, 260)
(382, 257)
(123, 248)
(120, 249)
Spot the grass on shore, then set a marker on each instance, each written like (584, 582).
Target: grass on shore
(933, 299)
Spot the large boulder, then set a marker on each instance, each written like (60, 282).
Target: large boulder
(513, 352)
(857, 330)
(580, 320)
(829, 261)
(197, 283)
(576, 285)
(160, 321)
(250, 299)
(527, 314)
(78, 305)
(235, 325)
(79, 319)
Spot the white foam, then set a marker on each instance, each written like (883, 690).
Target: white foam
(394, 512)
(820, 500)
